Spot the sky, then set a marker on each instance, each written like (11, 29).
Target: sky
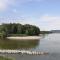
(43, 13)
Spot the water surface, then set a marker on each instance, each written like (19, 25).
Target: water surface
(49, 43)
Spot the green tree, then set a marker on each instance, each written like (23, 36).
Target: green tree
(14, 28)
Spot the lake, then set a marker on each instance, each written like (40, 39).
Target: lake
(49, 43)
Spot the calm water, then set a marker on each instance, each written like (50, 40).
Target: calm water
(49, 43)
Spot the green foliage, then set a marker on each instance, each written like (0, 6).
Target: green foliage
(31, 30)
(4, 58)
(3, 35)
(14, 28)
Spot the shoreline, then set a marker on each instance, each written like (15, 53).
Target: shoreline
(22, 52)
(25, 38)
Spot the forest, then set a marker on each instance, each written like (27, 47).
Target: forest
(18, 29)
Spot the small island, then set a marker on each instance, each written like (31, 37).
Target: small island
(18, 31)
(18, 36)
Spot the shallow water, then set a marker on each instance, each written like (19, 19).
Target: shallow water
(49, 43)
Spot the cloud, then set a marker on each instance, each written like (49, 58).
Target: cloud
(50, 18)
(4, 4)
(45, 22)
(27, 1)
(51, 22)
(30, 0)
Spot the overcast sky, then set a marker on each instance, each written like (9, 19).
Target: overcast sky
(43, 13)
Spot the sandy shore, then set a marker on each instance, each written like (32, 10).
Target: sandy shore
(25, 38)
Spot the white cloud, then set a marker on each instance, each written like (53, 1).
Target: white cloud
(46, 22)
(50, 18)
(4, 4)
(51, 22)
(30, 0)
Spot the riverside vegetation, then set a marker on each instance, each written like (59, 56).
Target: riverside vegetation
(15, 29)
(4, 58)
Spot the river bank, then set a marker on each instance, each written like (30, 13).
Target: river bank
(5, 58)
(22, 52)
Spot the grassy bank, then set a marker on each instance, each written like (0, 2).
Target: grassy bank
(4, 58)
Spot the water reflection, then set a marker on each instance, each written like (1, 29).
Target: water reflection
(18, 44)
(50, 43)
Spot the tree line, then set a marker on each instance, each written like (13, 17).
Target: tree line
(16, 28)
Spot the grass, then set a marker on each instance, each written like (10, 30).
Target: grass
(17, 35)
(16, 44)
(4, 58)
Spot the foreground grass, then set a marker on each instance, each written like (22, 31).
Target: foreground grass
(4, 58)
(16, 44)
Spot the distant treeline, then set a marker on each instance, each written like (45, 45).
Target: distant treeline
(45, 32)
(16, 28)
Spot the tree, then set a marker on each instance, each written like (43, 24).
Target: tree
(31, 30)
(19, 29)
(3, 35)
(14, 28)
